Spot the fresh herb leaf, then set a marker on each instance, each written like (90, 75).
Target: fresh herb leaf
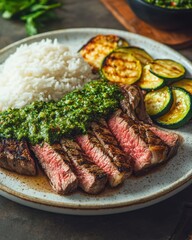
(33, 12)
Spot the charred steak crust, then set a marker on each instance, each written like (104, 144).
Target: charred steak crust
(143, 145)
(57, 167)
(16, 156)
(110, 144)
(172, 140)
(133, 105)
(92, 179)
(97, 154)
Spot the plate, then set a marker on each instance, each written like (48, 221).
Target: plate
(136, 192)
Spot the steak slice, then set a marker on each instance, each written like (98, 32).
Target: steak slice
(136, 139)
(97, 154)
(133, 105)
(110, 144)
(57, 167)
(16, 156)
(173, 140)
(92, 179)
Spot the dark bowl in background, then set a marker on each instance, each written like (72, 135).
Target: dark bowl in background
(162, 18)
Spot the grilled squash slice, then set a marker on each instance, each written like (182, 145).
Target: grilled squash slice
(167, 69)
(184, 83)
(149, 81)
(98, 47)
(158, 102)
(180, 112)
(137, 52)
(121, 67)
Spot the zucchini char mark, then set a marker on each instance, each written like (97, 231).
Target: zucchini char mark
(180, 112)
(98, 47)
(167, 69)
(185, 83)
(149, 81)
(137, 52)
(121, 67)
(159, 102)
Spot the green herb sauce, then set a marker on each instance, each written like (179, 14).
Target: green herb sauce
(171, 3)
(49, 121)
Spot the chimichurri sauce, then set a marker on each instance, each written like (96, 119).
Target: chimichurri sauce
(49, 121)
(171, 3)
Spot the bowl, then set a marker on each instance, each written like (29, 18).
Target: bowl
(161, 17)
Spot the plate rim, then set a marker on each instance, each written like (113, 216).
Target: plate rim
(91, 210)
(147, 201)
(89, 29)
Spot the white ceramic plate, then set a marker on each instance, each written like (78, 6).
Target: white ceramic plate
(135, 192)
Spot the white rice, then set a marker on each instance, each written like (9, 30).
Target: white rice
(43, 71)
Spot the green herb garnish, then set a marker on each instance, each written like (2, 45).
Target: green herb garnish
(33, 12)
(172, 3)
(49, 121)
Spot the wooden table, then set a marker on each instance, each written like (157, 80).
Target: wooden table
(18, 222)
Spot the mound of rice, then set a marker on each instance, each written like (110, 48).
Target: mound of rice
(43, 71)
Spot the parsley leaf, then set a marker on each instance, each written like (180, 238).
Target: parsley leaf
(33, 12)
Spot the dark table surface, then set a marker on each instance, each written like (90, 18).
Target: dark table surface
(18, 222)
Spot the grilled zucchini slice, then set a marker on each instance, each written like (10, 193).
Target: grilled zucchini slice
(121, 67)
(98, 47)
(158, 102)
(184, 83)
(149, 81)
(137, 52)
(180, 112)
(167, 69)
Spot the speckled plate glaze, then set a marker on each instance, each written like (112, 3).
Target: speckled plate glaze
(136, 192)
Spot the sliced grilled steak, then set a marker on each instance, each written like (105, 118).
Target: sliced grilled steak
(16, 156)
(133, 105)
(57, 167)
(92, 179)
(110, 144)
(173, 140)
(97, 154)
(135, 139)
